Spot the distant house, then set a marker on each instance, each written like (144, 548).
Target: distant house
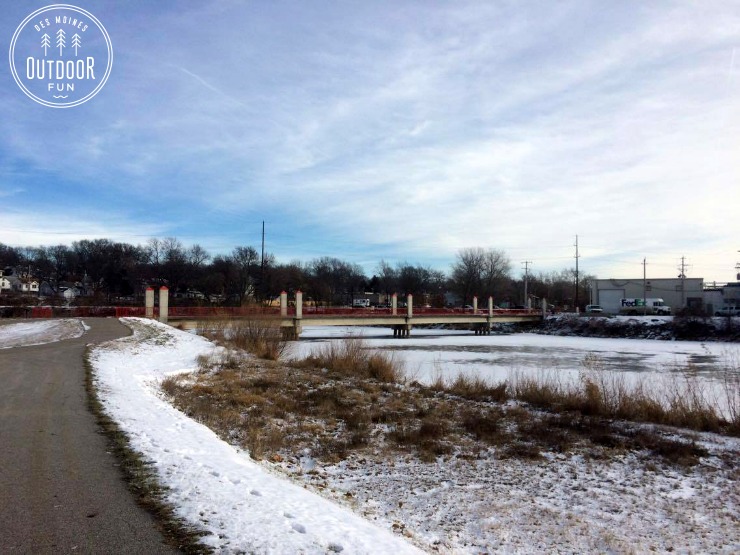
(5, 284)
(28, 285)
(46, 290)
(13, 282)
(70, 293)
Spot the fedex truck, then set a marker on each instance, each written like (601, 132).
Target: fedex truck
(644, 306)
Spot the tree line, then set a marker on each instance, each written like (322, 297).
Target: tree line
(112, 272)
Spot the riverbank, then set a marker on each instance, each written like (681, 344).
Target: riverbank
(668, 328)
(457, 466)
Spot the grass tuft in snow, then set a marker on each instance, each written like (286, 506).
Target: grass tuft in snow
(351, 357)
(262, 337)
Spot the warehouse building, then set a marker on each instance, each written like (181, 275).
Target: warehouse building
(676, 292)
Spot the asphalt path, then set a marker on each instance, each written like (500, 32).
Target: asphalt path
(60, 488)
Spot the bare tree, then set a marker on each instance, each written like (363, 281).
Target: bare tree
(387, 278)
(197, 256)
(479, 272)
(335, 280)
(246, 260)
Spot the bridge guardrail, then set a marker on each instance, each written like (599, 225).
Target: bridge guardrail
(196, 312)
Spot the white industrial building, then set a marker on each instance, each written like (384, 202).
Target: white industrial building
(676, 292)
(717, 296)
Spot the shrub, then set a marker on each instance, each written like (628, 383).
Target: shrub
(484, 425)
(351, 357)
(477, 388)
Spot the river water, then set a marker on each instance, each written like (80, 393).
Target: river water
(427, 354)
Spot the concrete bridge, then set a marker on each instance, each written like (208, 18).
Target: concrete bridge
(292, 319)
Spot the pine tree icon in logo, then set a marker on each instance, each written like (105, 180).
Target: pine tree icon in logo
(76, 42)
(46, 43)
(61, 43)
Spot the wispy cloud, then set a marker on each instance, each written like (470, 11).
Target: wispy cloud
(65, 226)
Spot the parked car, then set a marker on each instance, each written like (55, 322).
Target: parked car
(728, 311)
(593, 309)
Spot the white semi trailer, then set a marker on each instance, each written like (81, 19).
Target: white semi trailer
(643, 306)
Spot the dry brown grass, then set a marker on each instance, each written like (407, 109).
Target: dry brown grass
(345, 398)
(680, 400)
(336, 402)
(473, 387)
(730, 377)
(262, 337)
(351, 357)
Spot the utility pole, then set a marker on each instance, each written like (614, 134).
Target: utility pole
(577, 256)
(263, 245)
(262, 261)
(682, 275)
(644, 286)
(526, 280)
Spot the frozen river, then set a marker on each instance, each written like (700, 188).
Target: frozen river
(429, 353)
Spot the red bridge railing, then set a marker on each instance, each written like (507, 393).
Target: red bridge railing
(196, 312)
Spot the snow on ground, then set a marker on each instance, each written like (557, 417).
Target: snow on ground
(567, 502)
(239, 503)
(38, 332)
(564, 504)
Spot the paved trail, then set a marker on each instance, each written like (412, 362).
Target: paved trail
(60, 491)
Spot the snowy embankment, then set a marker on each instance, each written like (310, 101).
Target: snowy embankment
(214, 486)
(572, 502)
(669, 328)
(39, 332)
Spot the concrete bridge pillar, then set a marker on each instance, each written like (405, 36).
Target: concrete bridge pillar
(475, 305)
(403, 330)
(298, 304)
(482, 329)
(292, 333)
(394, 304)
(490, 306)
(283, 304)
(164, 304)
(409, 305)
(544, 308)
(149, 303)
(295, 332)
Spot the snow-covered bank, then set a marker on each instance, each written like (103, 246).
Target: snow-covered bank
(668, 328)
(565, 502)
(241, 506)
(39, 332)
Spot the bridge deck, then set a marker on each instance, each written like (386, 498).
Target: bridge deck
(480, 320)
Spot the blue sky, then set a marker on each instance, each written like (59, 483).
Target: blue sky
(399, 130)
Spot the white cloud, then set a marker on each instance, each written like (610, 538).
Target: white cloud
(22, 228)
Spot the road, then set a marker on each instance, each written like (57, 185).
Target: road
(60, 489)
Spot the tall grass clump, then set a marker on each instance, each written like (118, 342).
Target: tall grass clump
(263, 337)
(730, 376)
(476, 388)
(679, 399)
(352, 357)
